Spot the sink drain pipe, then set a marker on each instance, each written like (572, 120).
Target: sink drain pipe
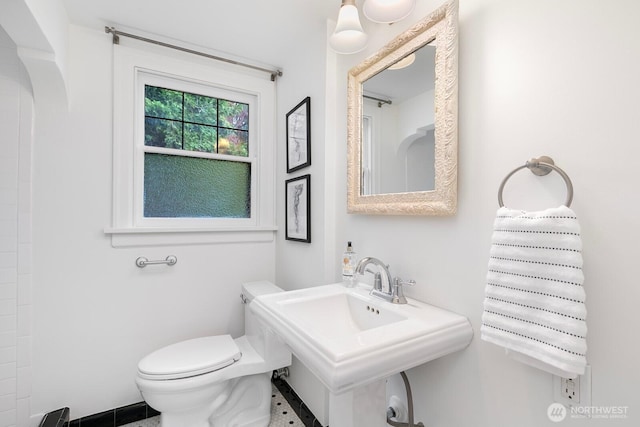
(391, 412)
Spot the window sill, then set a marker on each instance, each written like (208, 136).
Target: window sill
(131, 237)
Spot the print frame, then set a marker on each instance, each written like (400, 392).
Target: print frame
(298, 209)
(299, 136)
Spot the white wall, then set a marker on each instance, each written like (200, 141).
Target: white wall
(536, 77)
(97, 313)
(304, 75)
(16, 115)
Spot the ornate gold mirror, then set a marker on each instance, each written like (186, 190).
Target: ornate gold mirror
(402, 123)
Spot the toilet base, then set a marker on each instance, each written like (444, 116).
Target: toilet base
(249, 404)
(242, 402)
(195, 417)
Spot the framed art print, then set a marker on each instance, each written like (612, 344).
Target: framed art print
(299, 136)
(298, 209)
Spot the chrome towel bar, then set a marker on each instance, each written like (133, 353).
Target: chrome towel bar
(143, 262)
(540, 166)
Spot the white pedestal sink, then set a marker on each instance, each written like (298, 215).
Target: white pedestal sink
(353, 341)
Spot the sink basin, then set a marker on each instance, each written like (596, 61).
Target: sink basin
(348, 338)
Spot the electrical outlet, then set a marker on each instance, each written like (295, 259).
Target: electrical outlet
(570, 389)
(573, 392)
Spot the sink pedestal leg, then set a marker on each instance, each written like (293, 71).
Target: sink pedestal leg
(364, 406)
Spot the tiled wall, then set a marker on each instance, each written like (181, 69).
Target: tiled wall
(117, 417)
(25, 245)
(16, 113)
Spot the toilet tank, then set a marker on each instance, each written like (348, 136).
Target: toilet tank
(262, 339)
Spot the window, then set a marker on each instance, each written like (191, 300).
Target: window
(197, 185)
(193, 151)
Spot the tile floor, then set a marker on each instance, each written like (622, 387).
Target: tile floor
(282, 415)
(148, 422)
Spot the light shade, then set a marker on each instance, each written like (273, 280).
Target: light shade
(348, 36)
(404, 62)
(387, 11)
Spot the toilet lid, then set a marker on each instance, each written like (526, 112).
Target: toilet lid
(190, 358)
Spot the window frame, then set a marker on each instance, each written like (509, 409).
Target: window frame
(133, 68)
(146, 77)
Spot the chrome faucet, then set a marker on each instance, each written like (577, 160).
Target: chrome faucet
(394, 293)
(361, 268)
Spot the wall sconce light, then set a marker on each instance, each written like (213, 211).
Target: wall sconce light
(387, 11)
(348, 37)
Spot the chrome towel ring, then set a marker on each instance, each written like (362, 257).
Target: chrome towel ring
(541, 166)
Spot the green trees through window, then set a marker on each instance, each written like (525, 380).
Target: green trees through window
(186, 121)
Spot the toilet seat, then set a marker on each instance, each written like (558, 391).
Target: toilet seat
(190, 358)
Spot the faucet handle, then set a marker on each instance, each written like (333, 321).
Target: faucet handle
(408, 282)
(397, 293)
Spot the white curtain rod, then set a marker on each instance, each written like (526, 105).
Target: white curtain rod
(116, 40)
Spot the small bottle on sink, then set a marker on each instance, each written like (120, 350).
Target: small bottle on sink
(349, 266)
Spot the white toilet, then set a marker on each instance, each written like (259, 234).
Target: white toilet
(216, 381)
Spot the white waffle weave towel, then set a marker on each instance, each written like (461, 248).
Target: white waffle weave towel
(534, 299)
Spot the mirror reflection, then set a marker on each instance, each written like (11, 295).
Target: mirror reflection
(398, 126)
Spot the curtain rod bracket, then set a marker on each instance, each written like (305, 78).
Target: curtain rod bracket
(112, 30)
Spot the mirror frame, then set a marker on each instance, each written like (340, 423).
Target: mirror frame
(441, 26)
